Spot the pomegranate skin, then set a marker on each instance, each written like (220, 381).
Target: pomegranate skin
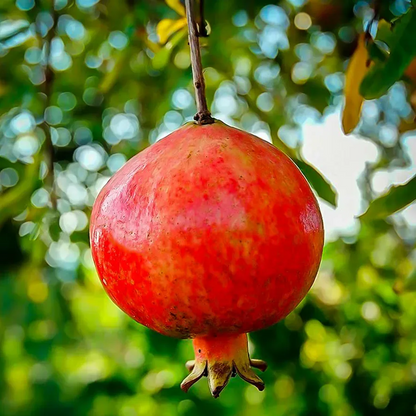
(210, 231)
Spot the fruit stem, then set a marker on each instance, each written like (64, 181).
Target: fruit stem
(219, 359)
(203, 116)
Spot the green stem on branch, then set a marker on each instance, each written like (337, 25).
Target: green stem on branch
(203, 116)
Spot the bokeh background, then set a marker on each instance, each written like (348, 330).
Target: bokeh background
(84, 86)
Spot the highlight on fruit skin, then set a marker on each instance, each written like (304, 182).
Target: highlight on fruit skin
(209, 234)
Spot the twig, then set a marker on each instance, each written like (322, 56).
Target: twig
(47, 88)
(203, 116)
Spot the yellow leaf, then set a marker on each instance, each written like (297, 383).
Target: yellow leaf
(357, 68)
(177, 6)
(167, 27)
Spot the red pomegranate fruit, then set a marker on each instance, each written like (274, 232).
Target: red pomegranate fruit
(208, 234)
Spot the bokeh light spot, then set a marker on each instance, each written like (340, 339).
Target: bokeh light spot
(182, 99)
(124, 126)
(25, 145)
(118, 40)
(240, 19)
(25, 5)
(67, 101)
(303, 21)
(89, 157)
(53, 115)
(265, 102)
(8, 177)
(40, 198)
(116, 161)
(23, 123)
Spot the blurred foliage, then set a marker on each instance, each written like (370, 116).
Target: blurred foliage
(402, 50)
(85, 85)
(397, 198)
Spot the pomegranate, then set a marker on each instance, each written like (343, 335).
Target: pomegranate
(208, 234)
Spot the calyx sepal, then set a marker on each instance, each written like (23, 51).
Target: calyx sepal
(219, 359)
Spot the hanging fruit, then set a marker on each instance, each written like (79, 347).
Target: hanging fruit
(209, 234)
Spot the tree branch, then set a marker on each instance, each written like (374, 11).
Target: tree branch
(47, 89)
(203, 116)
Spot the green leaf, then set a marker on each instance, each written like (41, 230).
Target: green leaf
(402, 50)
(161, 57)
(376, 53)
(397, 198)
(323, 188)
(384, 32)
